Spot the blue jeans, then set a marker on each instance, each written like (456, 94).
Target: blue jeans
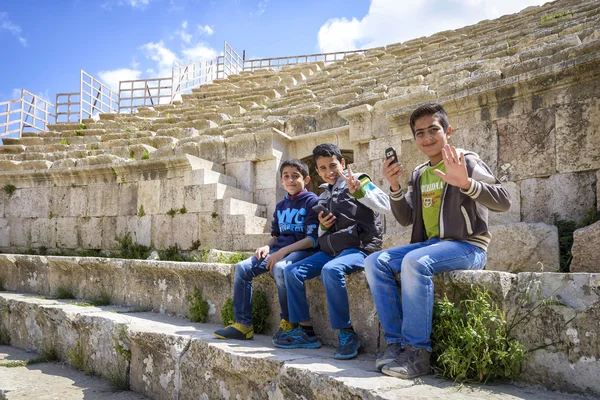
(333, 273)
(407, 320)
(246, 270)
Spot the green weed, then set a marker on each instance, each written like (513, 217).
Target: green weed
(227, 315)
(2, 283)
(9, 189)
(145, 155)
(78, 133)
(172, 253)
(472, 340)
(76, 356)
(230, 258)
(198, 307)
(141, 211)
(64, 292)
(131, 154)
(552, 17)
(130, 250)
(183, 210)
(64, 141)
(82, 126)
(260, 311)
(172, 212)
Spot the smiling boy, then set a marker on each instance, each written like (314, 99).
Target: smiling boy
(293, 237)
(350, 232)
(447, 203)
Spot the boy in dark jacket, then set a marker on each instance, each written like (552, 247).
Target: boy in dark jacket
(447, 202)
(349, 231)
(293, 237)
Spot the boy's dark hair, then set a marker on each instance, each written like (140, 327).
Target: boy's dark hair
(299, 165)
(434, 109)
(326, 150)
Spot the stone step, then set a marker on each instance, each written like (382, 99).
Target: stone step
(233, 206)
(164, 357)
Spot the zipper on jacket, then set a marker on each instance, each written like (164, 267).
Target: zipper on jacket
(467, 220)
(441, 216)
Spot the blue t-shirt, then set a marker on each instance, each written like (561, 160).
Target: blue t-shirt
(294, 219)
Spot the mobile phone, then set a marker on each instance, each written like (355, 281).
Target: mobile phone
(318, 208)
(390, 152)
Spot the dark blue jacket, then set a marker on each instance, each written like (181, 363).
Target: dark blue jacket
(294, 219)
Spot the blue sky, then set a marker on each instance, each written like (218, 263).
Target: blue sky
(45, 43)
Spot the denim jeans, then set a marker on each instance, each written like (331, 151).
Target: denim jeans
(333, 273)
(407, 319)
(246, 270)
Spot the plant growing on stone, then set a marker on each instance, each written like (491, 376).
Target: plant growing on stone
(64, 292)
(76, 356)
(64, 141)
(198, 307)
(82, 126)
(566, 228)
(9, 189)
(145, 155)
(172, 253)
(101, 299)
(227, 315)
(172, 212)
(183, 210)
(551, 17)
(260, 311)
(78, 133)
(130, 250)
(472, 340)
(141, 211)
(233, 258)
(131, 154)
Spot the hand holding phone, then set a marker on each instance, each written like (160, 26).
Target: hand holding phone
(390, 152)
(318, 208)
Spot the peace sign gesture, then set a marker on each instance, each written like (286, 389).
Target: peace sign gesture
(456, 168)
(352, 182)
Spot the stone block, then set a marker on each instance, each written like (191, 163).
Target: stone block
(244, 173)
(149, 195)
(269, 198)
(171, 195)
(128, 199)
(30, 203)
(4, 232)
(481, 139)
(523, 247)
(377, 147)
(185, 230)
(109, 233)
(43, 233)
(89, 232)
(162, 231)
(514, 212)
(212, 149)
(569, 195)
(140, 228)
(20, 231)
(66, 233)
(577, 140)
(271, 144)
(267, 174)
(241, 148)
(194, 199)
(359, 119)
(103, 200)
(586, 242)
(527, 145)
(3, 204)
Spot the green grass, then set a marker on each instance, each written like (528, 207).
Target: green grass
(233, 258)
(76, 356)
(145, 155)
(64, 141)
(552, 17)
(141, 211)
(198, 307)
(227, 315)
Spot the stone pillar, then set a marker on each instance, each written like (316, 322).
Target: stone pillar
(359, 119)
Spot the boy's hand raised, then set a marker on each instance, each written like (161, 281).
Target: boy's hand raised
(456, 168)
(392, 171)
(262, 252)
(352, 182)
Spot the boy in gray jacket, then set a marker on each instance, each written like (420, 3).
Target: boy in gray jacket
(350, 229)
(447, 202)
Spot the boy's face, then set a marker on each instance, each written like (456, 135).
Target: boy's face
(292, 180)
(329, 168)
(431, 138)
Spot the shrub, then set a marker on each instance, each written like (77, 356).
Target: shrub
(131, 250)
(472, 341)
(9, 189)
(172, 253)
(260, 311)
(227, 315)
(198, 307)
(230, 258)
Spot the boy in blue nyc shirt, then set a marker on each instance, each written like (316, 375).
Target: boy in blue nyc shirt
(293, 237)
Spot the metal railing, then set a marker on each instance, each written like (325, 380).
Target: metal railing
(144, 93)
(96, 97)
(278, 63)
(30, 113)
(67, 107)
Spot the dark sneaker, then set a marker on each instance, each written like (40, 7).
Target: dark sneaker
(391, 353)
(235, 331)
(285, 327)
(349, 345)
(411, 363)
(297, 339)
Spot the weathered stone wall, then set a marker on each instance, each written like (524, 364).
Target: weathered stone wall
(559, 313)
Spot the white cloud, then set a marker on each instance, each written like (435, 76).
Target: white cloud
(183, 34)
(391, 21)
(15, 30)
(139, 3)
(111, 78)
(16, 94)
(200, 52)
(164, 57)
(205, 30)
(262, 7)
(109, 4)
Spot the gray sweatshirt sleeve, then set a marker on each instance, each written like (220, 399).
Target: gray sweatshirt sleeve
(485, 188)
(401, 204)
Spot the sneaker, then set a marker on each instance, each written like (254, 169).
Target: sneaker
(411, 363)
(235, 331)
(297, 339)
(391, 353)
(285, 327)
(349, 345)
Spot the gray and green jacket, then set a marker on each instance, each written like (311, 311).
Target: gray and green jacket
(358, 224)
(463, 213)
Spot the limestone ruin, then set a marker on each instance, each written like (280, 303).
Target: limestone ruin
(521, 91)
